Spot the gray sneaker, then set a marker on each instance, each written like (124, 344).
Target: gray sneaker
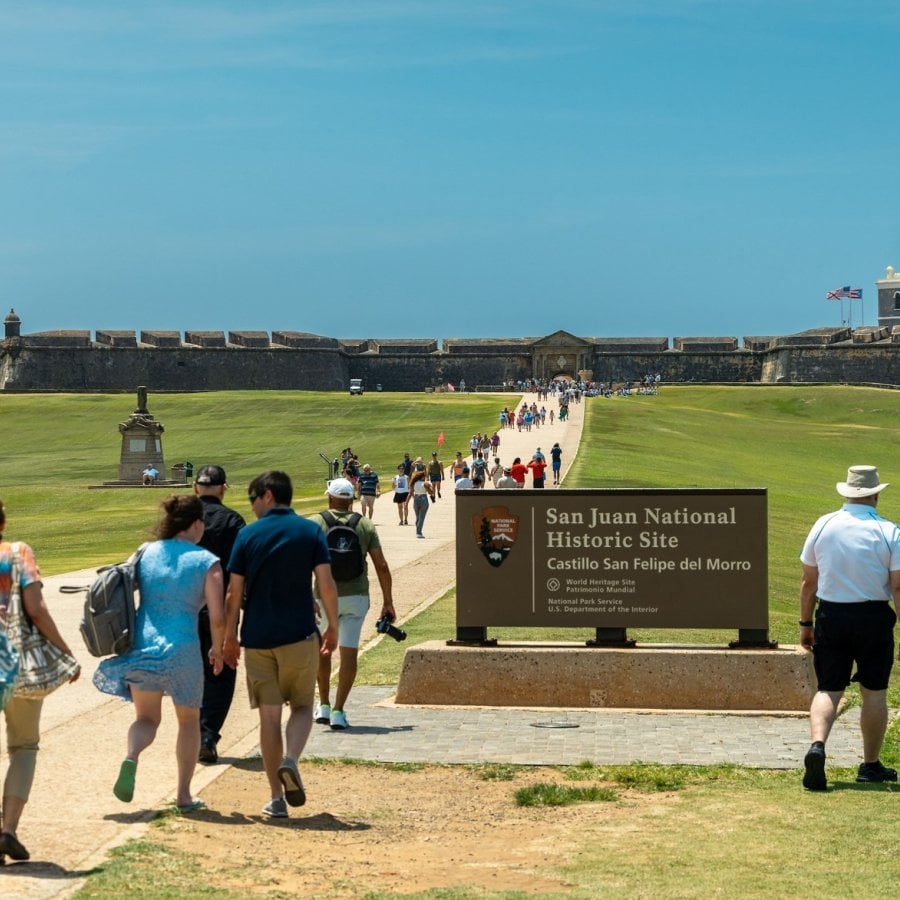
(289, 776)
(276, 808)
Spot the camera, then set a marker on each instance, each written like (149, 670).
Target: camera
(385, 626)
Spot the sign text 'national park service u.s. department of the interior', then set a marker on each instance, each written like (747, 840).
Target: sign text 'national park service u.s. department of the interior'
(613, 558)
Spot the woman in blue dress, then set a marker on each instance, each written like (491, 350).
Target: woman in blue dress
(176, 578)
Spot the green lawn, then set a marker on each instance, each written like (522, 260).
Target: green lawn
(64, 442)
(730, 831)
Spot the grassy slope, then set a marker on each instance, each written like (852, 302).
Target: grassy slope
(794, 441)
(731, 830)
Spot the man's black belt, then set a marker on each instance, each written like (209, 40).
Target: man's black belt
(833, 604)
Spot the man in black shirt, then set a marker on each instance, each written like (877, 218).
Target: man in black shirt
(222, 526)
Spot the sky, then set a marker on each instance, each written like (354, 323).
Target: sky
(447, 168)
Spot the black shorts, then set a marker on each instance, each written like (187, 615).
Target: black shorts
(854, 632)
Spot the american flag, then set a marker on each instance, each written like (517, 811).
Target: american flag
(845, 292)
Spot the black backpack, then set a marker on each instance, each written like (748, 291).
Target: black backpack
(347, 558)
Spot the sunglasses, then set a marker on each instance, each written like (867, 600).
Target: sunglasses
(253, 497)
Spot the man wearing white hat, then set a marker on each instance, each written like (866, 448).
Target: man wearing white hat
(352, 579)
(851, 564)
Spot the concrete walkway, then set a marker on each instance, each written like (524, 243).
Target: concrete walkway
(73, 819)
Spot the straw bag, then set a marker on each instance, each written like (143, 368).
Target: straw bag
(43, 667)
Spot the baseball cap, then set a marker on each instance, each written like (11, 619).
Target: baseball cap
(342, 488)
(210, 476)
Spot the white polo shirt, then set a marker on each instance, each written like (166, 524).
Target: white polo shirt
(854, 550)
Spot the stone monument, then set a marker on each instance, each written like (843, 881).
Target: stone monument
(141, 443)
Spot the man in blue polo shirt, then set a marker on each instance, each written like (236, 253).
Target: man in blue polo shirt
(271, 569)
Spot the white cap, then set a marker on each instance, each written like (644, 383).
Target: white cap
(341, 487)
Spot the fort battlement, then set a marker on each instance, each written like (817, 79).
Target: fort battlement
(116, 360)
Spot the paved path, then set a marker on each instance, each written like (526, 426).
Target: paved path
(73, 819)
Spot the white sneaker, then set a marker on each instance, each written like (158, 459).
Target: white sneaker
(323, 714)
(339, 720)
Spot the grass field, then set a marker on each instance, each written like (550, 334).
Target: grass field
(732, 831)
(58, 444)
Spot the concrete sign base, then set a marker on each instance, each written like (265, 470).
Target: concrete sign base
(649, 676)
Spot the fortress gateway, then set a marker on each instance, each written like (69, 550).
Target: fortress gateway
(291, 360)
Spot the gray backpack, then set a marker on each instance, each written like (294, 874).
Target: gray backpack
(109, 610)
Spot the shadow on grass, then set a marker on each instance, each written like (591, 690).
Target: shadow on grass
(886, 787)
(50, 871)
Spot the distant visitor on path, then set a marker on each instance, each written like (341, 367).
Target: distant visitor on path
(150, 475)
(537, 467)
(464, 482)
(436, 474)
(369, 490)
(421, 490)
(555, 462)
(851, 564)
(401, 495)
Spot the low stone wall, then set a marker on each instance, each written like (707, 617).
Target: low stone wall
(656, 676)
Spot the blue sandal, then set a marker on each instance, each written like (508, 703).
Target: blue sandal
(193, 806)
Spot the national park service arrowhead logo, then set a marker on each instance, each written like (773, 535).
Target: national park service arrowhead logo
(495, 529)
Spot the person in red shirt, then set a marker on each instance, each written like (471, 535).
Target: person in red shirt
(519, 471)
(537, 466)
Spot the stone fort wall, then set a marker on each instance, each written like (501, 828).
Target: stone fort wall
(112, 361)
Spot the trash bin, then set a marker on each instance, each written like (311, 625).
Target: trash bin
(188, 471)
(178, 472)
(377, 387)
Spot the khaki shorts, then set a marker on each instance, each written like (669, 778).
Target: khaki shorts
(285, 674)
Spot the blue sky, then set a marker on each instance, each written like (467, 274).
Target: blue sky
(447, 168)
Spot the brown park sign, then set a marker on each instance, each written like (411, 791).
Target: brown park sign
(612, 558)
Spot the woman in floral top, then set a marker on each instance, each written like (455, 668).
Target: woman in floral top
(23, 714)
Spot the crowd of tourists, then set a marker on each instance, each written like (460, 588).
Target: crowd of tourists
(282, 594)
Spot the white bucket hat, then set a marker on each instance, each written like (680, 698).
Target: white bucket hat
(862, 481)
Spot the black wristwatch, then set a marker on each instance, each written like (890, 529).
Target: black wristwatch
(807, 624)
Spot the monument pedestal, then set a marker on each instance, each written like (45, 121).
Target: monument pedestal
(649, 676)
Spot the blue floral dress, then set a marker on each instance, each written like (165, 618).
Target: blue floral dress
(166, 652)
